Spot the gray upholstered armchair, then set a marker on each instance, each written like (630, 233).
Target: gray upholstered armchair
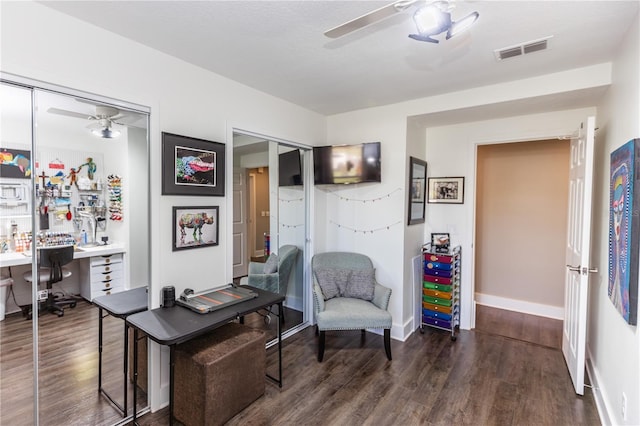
(273, 275)
(346, 296)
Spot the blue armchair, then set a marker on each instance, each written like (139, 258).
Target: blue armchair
(346, 296)
(273, 275)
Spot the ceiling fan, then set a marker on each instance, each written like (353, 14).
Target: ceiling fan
(431, 18)
(102, 121)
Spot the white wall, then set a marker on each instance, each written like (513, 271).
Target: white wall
(613, 346)
(42, 44)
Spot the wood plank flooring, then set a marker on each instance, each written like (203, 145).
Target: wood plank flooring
(516, 325)
(481, 379)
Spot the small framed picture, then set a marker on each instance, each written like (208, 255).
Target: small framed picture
(446, 190)
(440, 242)
(195, 227)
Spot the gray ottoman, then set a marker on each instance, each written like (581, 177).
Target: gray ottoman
(219, 374)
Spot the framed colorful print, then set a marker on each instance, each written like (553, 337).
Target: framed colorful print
(624, 230)
(195, 227)
(417, 185)
(446, 190)
(192, 166)
(15, 163)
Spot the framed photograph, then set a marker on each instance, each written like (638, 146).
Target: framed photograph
(15, 163)
(195, 227)
(192, 166)
(417, 185)
(440, 242)
(446, 190)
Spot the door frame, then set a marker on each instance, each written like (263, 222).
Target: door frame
(470, 309)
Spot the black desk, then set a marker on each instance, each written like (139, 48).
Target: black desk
(172, 326)
(119, 305)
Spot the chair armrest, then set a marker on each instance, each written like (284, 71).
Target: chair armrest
(318, 298)
(381, 296)
(269, 282)
(256, 268)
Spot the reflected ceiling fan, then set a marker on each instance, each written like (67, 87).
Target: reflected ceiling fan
(102, 121)
(431, 18)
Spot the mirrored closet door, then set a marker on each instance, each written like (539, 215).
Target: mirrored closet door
(75, 193)
(270, 218)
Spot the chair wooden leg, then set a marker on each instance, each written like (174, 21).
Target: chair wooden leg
(321, 346)
(387, 343)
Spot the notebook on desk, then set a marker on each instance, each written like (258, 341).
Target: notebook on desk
(214, 299)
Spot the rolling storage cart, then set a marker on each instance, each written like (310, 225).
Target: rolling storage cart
(441, 290)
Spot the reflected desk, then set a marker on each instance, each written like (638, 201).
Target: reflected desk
(175, 325)
(119, 305)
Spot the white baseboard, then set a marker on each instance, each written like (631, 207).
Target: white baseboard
(555, 312)
(293, 302)
(598, 392)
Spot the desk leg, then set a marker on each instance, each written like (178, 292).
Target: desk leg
(126, 364)
(280, 313)
(135, 374)
(99, 349)
(172, 364)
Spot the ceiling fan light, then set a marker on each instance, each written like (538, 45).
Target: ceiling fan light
(106, 133)
(462, 24)
(431, 20)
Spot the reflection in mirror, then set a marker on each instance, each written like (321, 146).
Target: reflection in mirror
(16, 336)
(91, 173)
(270, 221)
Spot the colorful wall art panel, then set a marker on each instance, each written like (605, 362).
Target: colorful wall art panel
(624, 230)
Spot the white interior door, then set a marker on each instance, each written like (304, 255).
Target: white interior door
(578, 252)
(240, 257)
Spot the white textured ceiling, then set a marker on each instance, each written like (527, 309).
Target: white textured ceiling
(278, 47)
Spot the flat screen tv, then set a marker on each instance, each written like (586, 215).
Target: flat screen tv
(290, 168)
(342, 164)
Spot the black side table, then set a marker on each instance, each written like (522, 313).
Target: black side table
(119, 305)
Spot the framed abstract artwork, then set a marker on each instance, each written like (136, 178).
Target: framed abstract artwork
(15, 163)
(624, 230)
(192, 166)
(195, 227)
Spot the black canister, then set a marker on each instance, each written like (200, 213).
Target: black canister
(168, 296)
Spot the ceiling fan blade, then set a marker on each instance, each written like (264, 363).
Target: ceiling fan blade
(369, 18)
(69, 113)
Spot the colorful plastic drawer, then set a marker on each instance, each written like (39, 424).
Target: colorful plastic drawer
(438, 265)
(436, 293)
(438, 273)
(436, 314)
(437, 322)
(437, 280)
(440, 287)
(437, 301)
(443, 258)
(437, 308)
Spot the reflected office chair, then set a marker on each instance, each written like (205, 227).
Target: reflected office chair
(52, 270)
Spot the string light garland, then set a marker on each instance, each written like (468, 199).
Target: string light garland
(284, 225)
(365, 231)
(290, 201)
(365, 200)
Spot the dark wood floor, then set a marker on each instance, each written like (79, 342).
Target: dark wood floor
(481, 379)
(516, 325)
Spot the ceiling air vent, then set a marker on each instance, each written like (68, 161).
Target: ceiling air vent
(522, 48)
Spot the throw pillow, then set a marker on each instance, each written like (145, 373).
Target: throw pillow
(331, 281)
(362, 284)
(271, 265)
